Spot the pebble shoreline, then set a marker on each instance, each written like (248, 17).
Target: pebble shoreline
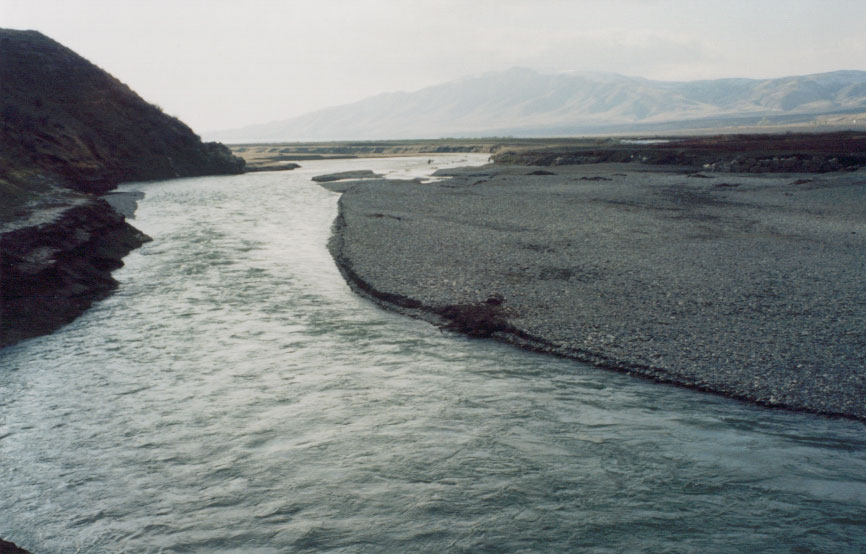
(749, 286)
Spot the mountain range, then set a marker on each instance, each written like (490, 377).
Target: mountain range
(523, 102)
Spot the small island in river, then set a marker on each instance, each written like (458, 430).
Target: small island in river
(732, 265)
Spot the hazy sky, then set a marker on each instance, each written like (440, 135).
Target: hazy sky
(221, 64)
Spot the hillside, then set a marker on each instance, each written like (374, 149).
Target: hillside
(63, 116)
(69, 131)
(522, 102)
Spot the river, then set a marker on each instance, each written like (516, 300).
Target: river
(234, 395)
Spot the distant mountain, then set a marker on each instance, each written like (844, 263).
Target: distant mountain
(522, 102)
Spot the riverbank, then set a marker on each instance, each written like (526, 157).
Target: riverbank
(56, 268)
(748, 286)
(753, 153)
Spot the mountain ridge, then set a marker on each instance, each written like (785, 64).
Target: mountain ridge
(523, 102)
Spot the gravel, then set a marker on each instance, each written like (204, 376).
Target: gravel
(750, 286)
(355, 174)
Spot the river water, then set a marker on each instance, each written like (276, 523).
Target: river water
(235, 396)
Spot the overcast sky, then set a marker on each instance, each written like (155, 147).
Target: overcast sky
(222, 64)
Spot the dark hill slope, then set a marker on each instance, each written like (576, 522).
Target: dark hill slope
(68, 131)
(68, 118)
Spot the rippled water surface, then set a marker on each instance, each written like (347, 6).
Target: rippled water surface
(235, 396)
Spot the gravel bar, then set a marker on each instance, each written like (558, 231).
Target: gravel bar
(749, 286)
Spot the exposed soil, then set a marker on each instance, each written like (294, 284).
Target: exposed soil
(480, 319)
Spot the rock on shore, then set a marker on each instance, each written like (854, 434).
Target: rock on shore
(750, 286)
(7, 547)
(356, 174)
(53, 271)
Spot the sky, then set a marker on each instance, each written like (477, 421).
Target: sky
(220, 64)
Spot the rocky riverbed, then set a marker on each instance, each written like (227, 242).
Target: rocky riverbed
(750, 286)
